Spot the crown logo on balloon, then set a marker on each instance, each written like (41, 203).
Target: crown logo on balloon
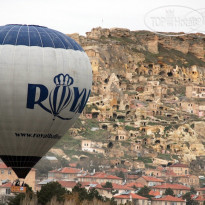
(63, 80)
(61, 96)
(64, 96)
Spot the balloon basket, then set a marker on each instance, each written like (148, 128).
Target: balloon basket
(18, 189)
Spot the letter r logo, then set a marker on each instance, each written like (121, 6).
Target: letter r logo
(31, 101)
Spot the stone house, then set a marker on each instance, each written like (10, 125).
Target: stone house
(132, 178)
(117, 170)
(5, 189)
(116, 188)
(136, 147)
(135, 185)
(139, 165)
(150, 130)
(149, 181)
(155, 90)
(177, 188)
(194, 91)
(6, 173)
(133, 133)
(168, 200)
(199, 110)
(5, 192)
(158, 161)
(91, 146)
(66, 173)
(153, 172)
(106, 192)
(127, 197)
(121, 135)
(200, 191)
(179, 169)
(187, 180)
(135, 164)
(141, 113)
(161, 91)
(69, 185)
(156, 108)
(94, 57)
(187, 106)
(193, 108)
(109, 113)
(100, 177)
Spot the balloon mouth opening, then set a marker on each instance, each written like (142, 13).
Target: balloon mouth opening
(21, 165)
(26, 25)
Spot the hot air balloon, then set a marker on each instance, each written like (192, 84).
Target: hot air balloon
(45, 82)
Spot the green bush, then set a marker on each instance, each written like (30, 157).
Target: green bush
(49, 190)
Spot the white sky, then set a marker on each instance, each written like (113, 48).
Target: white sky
(80, 16)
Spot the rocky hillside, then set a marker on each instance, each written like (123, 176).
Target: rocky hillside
(147, 105)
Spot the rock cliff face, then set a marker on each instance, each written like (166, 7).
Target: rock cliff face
(141, 95)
